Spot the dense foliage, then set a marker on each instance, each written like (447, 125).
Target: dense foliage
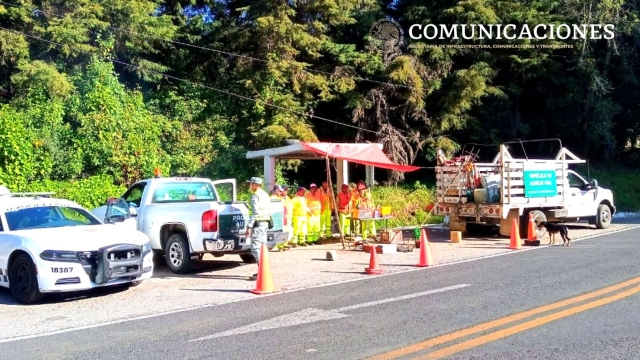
(95, 94)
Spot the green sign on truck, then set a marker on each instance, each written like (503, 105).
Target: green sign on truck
(540, 183)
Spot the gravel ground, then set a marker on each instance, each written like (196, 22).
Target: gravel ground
(224, 279)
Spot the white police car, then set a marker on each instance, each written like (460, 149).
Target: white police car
(50, 245)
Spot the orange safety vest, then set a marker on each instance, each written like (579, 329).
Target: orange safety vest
(327, 199)
(343, 202)
(362, 202)
(314, 202)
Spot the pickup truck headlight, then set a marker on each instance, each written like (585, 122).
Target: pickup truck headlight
(55, 255)
(146, 248)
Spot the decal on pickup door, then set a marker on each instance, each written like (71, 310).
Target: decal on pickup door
(232, 224)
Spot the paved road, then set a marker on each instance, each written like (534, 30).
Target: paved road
(462, 295)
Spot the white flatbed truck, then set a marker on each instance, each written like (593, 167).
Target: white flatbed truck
(545, 188)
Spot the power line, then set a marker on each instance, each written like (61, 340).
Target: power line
(210, 49)
(197, 84)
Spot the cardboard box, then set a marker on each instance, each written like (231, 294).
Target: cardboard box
(381, 248)
(365, 214)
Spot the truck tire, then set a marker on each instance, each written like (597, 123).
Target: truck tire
(23, 280)
(248, 258)
(538, 217)
(603, 217)
(177, 254)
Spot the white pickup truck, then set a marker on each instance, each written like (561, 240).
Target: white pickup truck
(186, 218)
(512, 188)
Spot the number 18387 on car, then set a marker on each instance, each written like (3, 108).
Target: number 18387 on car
(61, 269)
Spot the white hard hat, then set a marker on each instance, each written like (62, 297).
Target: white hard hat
(4, 190)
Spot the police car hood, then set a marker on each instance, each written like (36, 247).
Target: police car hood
(81, 237)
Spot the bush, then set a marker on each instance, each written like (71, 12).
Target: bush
(90, 193)
(408, 204)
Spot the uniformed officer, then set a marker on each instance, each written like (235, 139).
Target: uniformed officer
(258, 224)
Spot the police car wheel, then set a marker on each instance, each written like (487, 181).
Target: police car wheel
(23, 280)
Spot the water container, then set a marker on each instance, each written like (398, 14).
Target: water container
(480, 196)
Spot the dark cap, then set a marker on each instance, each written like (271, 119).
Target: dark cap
(301, 188)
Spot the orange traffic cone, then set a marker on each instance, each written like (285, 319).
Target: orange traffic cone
(516, 243)
(531, 230)
(425, 250)
(264, 284)
(373, 268)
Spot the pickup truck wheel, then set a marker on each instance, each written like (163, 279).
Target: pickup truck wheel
(248, 258)
(23, 280)
(538, 217)
(603, 217)
(177, 254)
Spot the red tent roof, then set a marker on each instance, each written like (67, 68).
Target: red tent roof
(367, 154)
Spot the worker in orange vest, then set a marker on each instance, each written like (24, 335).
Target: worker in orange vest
(314, 202)
(300, 213)
(363, 200)
(328, 207)
(343, 201)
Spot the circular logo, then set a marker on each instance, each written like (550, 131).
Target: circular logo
(387, 36)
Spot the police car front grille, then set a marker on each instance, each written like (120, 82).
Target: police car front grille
(67, 281)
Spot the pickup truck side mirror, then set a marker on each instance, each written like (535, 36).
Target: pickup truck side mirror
(594, 185)
(133, 211)
(117, 211)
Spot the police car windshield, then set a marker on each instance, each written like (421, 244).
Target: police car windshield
(183, 191)
(41, 217)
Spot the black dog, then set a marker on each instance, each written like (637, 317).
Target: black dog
(553, 229)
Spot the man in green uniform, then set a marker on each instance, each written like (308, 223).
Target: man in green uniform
(258, 224)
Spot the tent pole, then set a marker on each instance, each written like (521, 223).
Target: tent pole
(332, 200)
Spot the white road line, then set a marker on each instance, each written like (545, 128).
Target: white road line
(311, 315)
(399, 298)
(136, 318)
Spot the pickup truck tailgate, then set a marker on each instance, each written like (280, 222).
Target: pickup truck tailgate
(232, 219)
(234, 215)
